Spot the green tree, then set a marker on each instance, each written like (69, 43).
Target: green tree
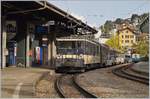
(113, 42)
(134, 16)
(144, 15)
(102, 29)
(142, 48)
(118, 21)
(108, 26)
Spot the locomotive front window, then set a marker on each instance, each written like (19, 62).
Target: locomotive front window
(69, 47)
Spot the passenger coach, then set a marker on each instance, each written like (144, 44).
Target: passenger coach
(77, 55)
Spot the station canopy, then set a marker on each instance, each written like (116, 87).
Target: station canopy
(42, 11)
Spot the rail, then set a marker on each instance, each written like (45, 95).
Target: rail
(121, 72)
(62, 93)
(87, 93)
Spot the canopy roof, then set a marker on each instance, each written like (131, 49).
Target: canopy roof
(42, 10)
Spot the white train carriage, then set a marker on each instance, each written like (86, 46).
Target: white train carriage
(77, 54)
(80, 54)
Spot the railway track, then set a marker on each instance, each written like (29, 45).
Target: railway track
(67, 87)
(122, 72)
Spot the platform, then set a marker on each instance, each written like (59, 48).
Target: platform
(20, 82)
(141, 67)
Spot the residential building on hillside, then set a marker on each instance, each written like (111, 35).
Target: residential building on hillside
(127, 37)
(124, 25)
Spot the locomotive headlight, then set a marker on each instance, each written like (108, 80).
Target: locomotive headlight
(59, 56)
(81, 56)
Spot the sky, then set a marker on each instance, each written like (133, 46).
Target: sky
(96, 12)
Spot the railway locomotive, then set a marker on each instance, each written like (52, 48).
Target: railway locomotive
(78, 55)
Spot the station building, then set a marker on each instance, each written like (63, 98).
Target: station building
(29, 30)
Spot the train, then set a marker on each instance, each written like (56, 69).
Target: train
(78, 55)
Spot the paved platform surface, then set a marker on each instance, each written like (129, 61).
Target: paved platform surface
(142, 67)
(20, 82)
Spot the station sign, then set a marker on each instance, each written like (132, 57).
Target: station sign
(41, 29)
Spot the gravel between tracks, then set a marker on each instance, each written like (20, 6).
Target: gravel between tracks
(69, 89)
(45, 87)
(103, 83)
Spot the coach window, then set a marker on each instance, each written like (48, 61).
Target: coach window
(97, 50)
(89, 48)
(92, 49)
(79, 44)
(73, 45)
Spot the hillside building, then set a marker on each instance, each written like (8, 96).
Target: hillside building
(127, 37)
